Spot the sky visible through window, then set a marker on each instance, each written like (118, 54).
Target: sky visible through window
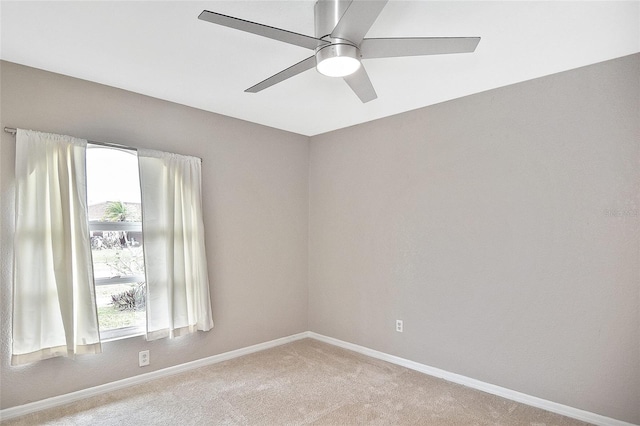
(112, 175)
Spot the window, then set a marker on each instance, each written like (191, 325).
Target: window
(115, 225)
(78, 219)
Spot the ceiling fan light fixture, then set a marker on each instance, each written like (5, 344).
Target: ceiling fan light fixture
(337, 60)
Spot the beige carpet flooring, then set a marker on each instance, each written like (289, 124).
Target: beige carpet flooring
(301, 383)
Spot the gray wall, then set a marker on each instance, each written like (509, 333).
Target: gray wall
(503, 228)
(255, 195)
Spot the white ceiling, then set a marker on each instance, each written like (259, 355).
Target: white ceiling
(162, 50)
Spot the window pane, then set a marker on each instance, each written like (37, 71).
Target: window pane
(121, 305)
(113, 195)
(117, 253)
(113, 185)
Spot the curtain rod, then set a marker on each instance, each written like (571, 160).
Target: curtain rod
(13, 131)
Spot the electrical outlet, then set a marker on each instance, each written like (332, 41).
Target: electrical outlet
(143, 358)
(399, 326)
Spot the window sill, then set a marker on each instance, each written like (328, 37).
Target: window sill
(121, 333)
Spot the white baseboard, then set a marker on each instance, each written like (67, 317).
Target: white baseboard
(32, 407)
(533, 401)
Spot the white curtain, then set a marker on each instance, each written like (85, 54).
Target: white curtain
(178, 299)
(54, 309)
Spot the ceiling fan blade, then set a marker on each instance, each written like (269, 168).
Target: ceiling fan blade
(293, 70)
(361, 84)
(261, 30)
(357, 19)
(395, 47)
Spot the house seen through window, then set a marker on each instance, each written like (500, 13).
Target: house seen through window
(115, 225)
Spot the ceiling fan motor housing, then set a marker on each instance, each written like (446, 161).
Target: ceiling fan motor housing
(341, 57)
(337, 59)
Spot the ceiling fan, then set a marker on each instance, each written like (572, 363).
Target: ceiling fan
(339, 43)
